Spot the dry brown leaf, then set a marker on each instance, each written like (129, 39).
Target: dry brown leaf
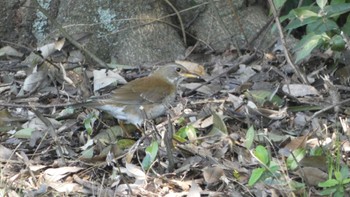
(319, 162)
(103, 78)
(203, 123)
(66, 187)
(5, 153)
(193, 67)
(55, 174)
(212, 174)
(300, 90)
(298, 142)
(312, 176)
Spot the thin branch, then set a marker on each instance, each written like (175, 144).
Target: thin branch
(301, 76)
(180, 20)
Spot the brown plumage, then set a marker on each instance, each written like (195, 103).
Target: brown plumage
(144, 98)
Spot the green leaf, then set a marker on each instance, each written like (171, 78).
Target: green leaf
(89, 122)
(262, 96)
(328, 191)
(339, 192)
(88, 153)
(256, 174)
(321, 3)
(249, 137)
(151, 153)
(299, 154)
(344, 172)
(191, 132)
(125, 143)
(304, 13)
(346, 26)
(262, 155)
(298, 23)
(334, 2)
(337, 43)
(219, 126)
(25, 133)
(274, 167)
(336, 10)
(279, 3)
(187, 132)
(329, 183)
(179, 138)
(322, 26)
(338, 176)
(307, 44)
(346, 181)
(181, 133)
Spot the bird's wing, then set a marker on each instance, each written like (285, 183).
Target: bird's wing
(141, 91)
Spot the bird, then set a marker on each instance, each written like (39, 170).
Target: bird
(144, 98)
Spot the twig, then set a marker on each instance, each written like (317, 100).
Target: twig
(180, 20)
(301, 76)
(168, 141)
(328, 108)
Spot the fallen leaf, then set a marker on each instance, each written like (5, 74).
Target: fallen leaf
(195, 190)
(55, 174)
(212, 174)
(312, 176)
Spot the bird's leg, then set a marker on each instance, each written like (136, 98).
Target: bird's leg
(128, 129)
(146, 120)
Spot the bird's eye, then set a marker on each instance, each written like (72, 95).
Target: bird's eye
(178, 69)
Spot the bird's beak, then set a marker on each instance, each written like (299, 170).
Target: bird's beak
(190, 75)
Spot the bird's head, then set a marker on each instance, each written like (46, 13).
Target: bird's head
(174, 73)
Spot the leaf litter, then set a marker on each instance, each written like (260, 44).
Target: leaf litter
(246, 132)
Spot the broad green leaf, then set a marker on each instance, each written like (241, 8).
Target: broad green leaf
(328, 191)
(249, 137)
(256, 174)
(125, 143)
(334, 2)
(88, 153)
(346, 181)
(338, 176)
(307, 44)
(345, 172)
(299, 154)
(186, 132)
(179, 138)
(339, 192)
(279, 3)
(151, 153)
(321, 26)
(346, 26)
(262, 155)
(337, 43)
(328, 183)
(336, 10)
(191, 132)
(303, 14)
(295, 23)
(25, 133)
(261, 96)
(321, 3)
(182, 133)
(274, 167)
